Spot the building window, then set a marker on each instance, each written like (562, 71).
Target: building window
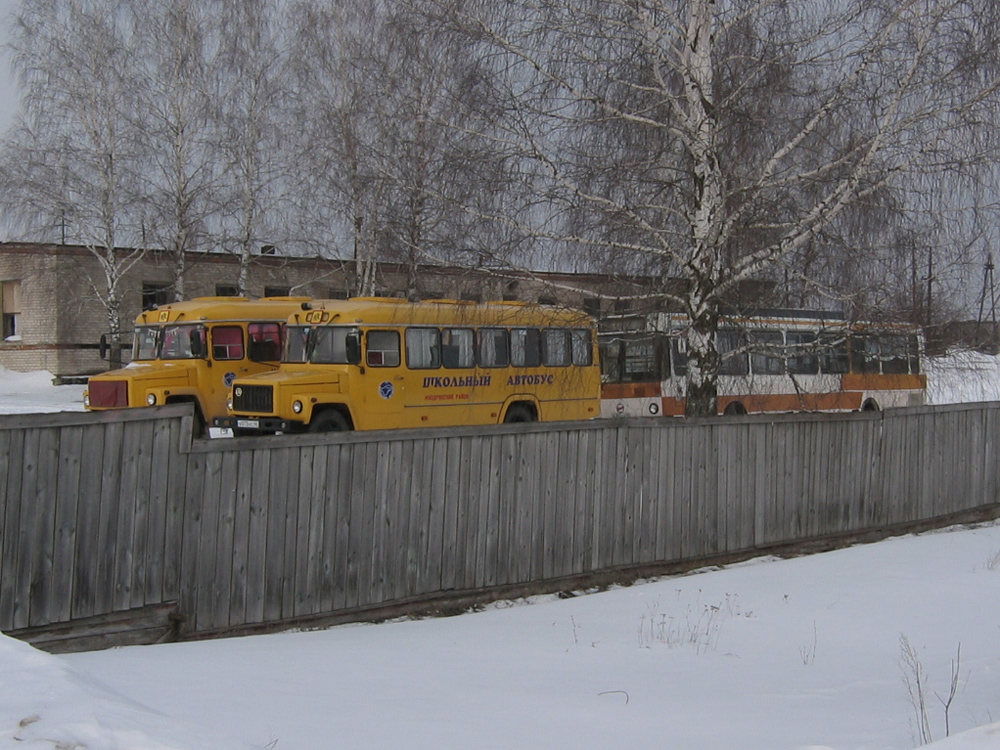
(336, 294)
(154, 294)
(548, 301)
(276, 291)
(592, 306)
(227, 290)
(11, 305)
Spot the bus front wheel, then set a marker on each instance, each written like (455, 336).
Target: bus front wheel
(519, 413)
(329, 421)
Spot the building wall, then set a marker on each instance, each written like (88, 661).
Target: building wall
(63, 317)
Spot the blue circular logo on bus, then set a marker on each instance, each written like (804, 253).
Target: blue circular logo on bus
(228, 379)
(385, 389)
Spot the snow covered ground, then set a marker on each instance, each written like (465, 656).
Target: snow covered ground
(33, 392)
(808, 653)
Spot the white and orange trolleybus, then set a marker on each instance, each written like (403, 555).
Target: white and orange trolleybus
(192, 351)
(772, 361)
(381, 363)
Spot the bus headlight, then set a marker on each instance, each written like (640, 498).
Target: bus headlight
(86, 400)
(229, 403)
(151, 399)
(297, 407)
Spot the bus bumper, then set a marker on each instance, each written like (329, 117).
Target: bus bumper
(257, 424)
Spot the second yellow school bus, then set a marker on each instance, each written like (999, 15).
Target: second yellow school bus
(376, 363)
(192, 351)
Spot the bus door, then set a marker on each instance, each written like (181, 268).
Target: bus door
(227, 357)
(384, 388)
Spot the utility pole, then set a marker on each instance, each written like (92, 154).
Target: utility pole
(987, 285)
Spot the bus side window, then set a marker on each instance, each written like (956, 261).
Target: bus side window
(265, 342)
(525, 350)
(555, 347)
(227, 342)
(457, 349)
(383, 349)
(423, 348)
(493, 347)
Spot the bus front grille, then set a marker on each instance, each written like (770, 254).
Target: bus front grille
(256, 399)
(108, 394)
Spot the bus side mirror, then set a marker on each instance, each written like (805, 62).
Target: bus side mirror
(353, 344)
(197, 349)
(102, 347)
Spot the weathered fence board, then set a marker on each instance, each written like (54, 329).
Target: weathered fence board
(115, 512)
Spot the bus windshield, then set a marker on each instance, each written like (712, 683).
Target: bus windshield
(147, 343)
(169, 342)
(321, 345)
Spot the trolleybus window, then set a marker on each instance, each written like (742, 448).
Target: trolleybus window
(833, 358)
(734, 358)
(555, 347)
(864, 355)
(766, 357)
(894, 355)
(802, 359)
(679, 357)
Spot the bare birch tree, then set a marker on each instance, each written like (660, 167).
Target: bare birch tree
(253, 121)
(176, 84)
(385, 108)
(70, 165)
(725, 141)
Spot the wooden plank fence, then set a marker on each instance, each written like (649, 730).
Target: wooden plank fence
(114, 513)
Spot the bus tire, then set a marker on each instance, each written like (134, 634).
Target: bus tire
(519, 413)
(735, 408)
(329, 420)
(199, 426)
(870, 405)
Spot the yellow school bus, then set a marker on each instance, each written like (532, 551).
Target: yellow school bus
(375, 363)
(192, 351)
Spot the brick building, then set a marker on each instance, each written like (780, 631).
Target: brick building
(53, 316)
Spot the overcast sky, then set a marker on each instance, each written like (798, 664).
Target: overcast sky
(8, 95)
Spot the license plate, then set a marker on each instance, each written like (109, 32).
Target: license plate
(252, 424)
